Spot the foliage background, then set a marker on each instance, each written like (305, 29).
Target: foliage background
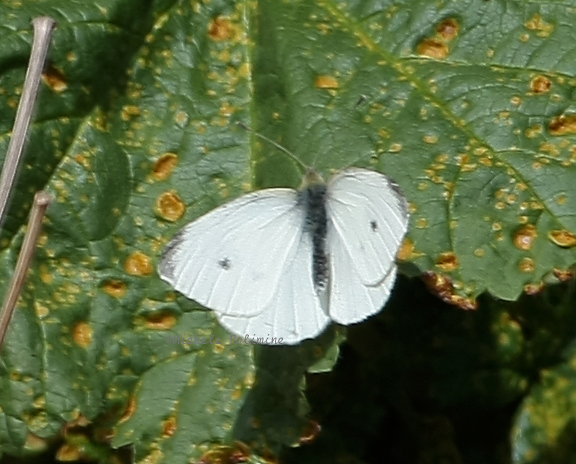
(467, 104)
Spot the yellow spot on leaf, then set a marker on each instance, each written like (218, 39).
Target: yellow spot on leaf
(534, 289)
(138, 264)
(524, 237)
(561, 125)
(433, 48)
(165, 165)
(540, 84)
(115, 288)
(562, 199)
(563, 238)
(443, 287)
(181, 118)
(41, 310)
(536, 205)
(226, 109)
(160, 321)
(221, 28)
(326, 82)
(395, 148)
(447, 261)
(82, 334)
(237, 393)
(45, 274)
(227, 454)
(249, 380)
(563, 275)
(130, 111)
(154, 457)
(542, 28)
(533, 131)
(39, 402)
(526, 265)
(35, 444)
(406, 251)
(448, 29)
(55, 79)
(422, 223)
(169, 426)
(431, 139)
(68, 453)
(170, 206)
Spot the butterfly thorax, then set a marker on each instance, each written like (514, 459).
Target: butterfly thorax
(313, 199)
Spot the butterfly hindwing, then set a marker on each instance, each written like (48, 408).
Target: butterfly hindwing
(295, 313)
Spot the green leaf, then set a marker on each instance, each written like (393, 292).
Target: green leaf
(467, 105)
(544, 428)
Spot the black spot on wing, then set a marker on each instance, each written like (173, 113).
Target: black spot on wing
(225, 264)
(374, 225)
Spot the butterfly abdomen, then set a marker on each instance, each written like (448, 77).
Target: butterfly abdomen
(313, 199)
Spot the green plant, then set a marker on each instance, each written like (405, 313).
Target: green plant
(467, 105)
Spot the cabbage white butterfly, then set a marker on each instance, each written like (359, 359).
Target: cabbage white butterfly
(277, 265)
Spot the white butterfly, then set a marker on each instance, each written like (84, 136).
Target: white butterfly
(279, 264)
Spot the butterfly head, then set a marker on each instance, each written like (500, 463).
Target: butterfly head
(311, 178)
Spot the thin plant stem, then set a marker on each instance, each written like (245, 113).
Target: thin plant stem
(41, 202)
(43, 28)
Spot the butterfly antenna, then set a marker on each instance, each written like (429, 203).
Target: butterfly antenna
(292, 156)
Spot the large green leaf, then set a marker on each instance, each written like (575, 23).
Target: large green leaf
(467, 105)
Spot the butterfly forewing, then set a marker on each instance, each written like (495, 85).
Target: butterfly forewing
(234, 258)
(368, 216)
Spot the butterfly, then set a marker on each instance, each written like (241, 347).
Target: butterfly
(279, 264)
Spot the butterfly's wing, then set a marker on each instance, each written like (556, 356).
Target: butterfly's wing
(367, 219)
(234, 258)
(294, 314)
